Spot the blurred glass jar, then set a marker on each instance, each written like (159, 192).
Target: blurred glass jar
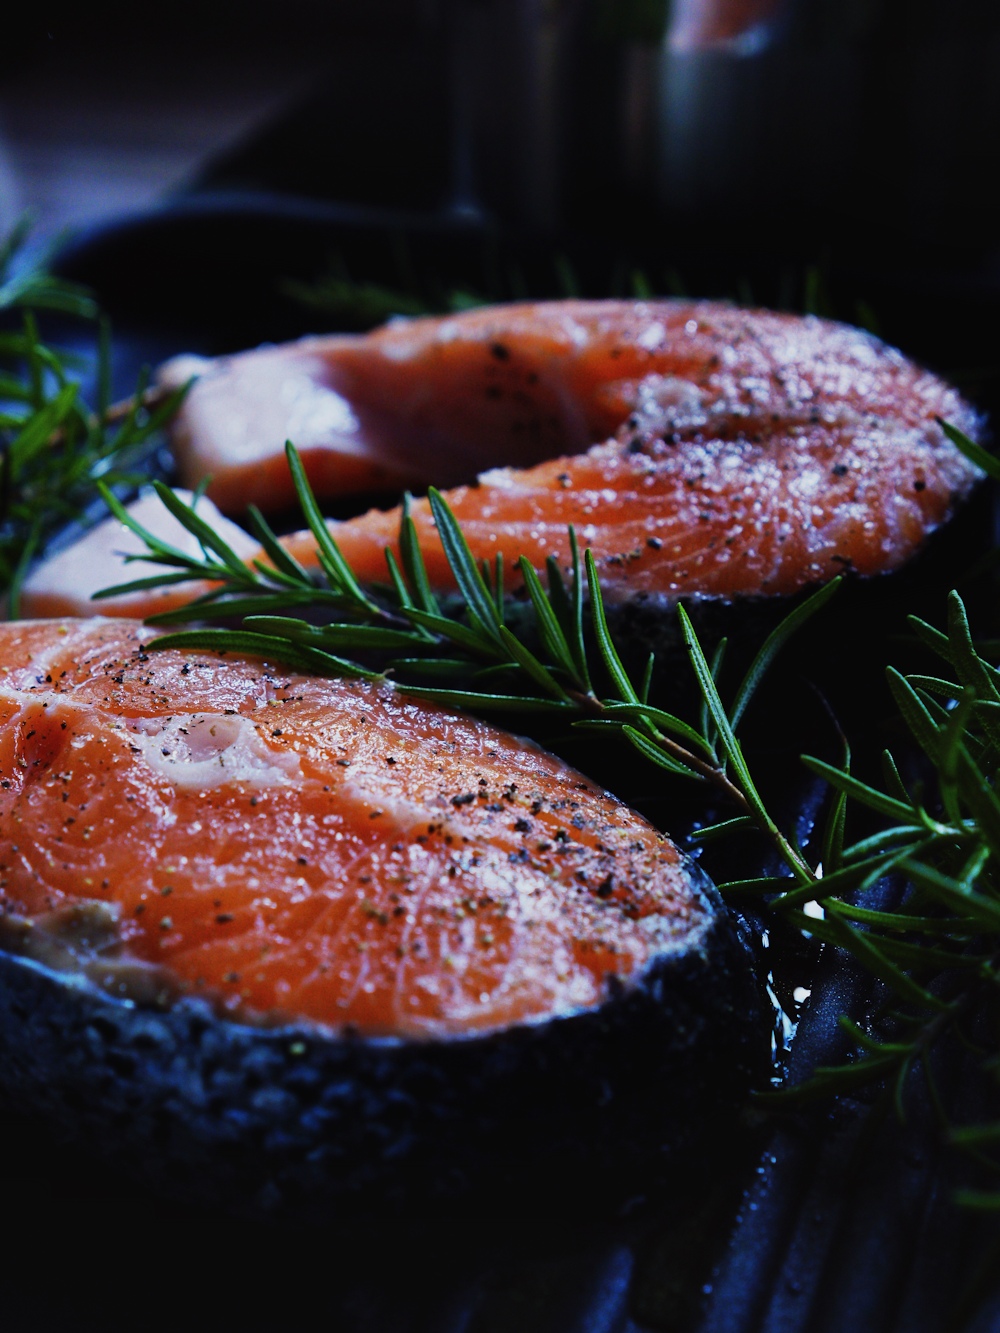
(866, 123)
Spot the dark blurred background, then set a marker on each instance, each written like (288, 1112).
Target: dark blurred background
(803, 122)
(703, 142)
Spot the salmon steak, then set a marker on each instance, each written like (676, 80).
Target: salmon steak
(323, 848)
(256, 852)
(699, 449)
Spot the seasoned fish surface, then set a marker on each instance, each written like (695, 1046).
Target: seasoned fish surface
(318, 849)
(755, 452)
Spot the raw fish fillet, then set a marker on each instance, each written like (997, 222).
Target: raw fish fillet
(323, 850)
(754, 453)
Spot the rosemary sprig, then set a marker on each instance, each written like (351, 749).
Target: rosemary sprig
(32, 287)
(53, 447)
(938, 952)
(478, 646)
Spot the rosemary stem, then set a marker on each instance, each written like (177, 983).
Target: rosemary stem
(149, 399)
(588, 703)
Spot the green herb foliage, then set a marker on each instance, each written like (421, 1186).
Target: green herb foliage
(405, 620)
(937, 954)
(355, 304)
(53, 447)
(32, 287)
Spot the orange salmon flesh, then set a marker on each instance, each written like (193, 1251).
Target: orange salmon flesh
(320, 849)
(754, 453)
(758, 453)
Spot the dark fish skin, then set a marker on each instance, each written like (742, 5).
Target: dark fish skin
(290, 1123)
